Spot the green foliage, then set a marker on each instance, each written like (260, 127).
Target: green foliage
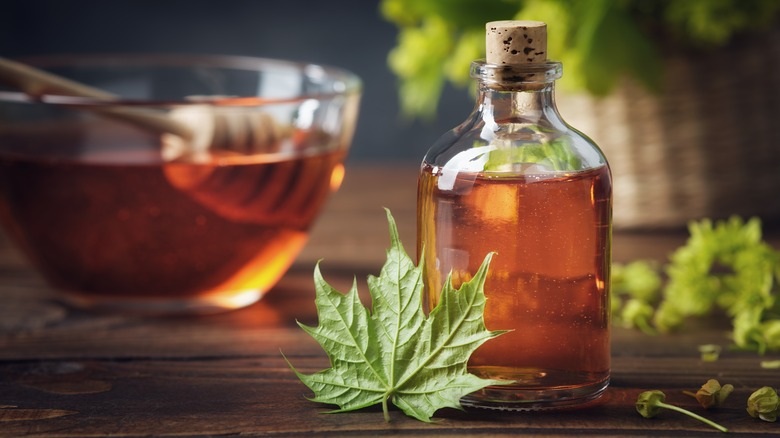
(598, 41)
(638, 279)
(396, 353)
(437, 42)
(605, 45)
(724, 266)
(635, 289)
(418, 61)
(555, 154)
(714, 22)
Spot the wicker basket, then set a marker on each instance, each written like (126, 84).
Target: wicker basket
(707, 146)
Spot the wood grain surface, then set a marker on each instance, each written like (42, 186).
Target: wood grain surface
(70, 373)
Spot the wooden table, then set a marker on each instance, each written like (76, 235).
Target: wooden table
(67, 373)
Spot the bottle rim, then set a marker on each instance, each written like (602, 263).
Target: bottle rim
(541, 73)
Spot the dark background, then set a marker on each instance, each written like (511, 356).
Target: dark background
(346, 33)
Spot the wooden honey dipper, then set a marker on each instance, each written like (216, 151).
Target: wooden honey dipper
(188, 132)
(210, 135)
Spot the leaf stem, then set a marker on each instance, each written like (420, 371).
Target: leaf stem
(385, 411)
(692, 415)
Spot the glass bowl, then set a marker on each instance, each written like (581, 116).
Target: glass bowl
(172, 184)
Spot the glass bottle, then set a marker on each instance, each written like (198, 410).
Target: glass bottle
(515, 179)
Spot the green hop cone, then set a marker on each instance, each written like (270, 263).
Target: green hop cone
(648, 404)
(764, 404)
(712, 394)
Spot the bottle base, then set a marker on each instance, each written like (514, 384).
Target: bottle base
(536, 397)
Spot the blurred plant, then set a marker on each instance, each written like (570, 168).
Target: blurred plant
(770, 364)
(636, 288)
(597, 40)
(709, 352)
(724, 266)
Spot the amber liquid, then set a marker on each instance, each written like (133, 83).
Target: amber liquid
(171, 236)
(548, 281)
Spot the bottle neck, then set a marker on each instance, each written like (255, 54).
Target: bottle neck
(517, 94)
(525, 106)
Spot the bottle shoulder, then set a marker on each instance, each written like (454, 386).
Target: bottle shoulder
(547, 144)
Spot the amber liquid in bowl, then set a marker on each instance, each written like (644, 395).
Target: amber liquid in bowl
(121, 228)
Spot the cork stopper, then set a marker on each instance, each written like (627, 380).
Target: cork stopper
(516, 42)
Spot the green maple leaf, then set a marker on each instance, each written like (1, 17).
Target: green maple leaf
(396, 353)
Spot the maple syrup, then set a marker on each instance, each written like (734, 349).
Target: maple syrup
(547, 281)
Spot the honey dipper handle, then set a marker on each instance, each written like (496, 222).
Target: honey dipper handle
(36, 83)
